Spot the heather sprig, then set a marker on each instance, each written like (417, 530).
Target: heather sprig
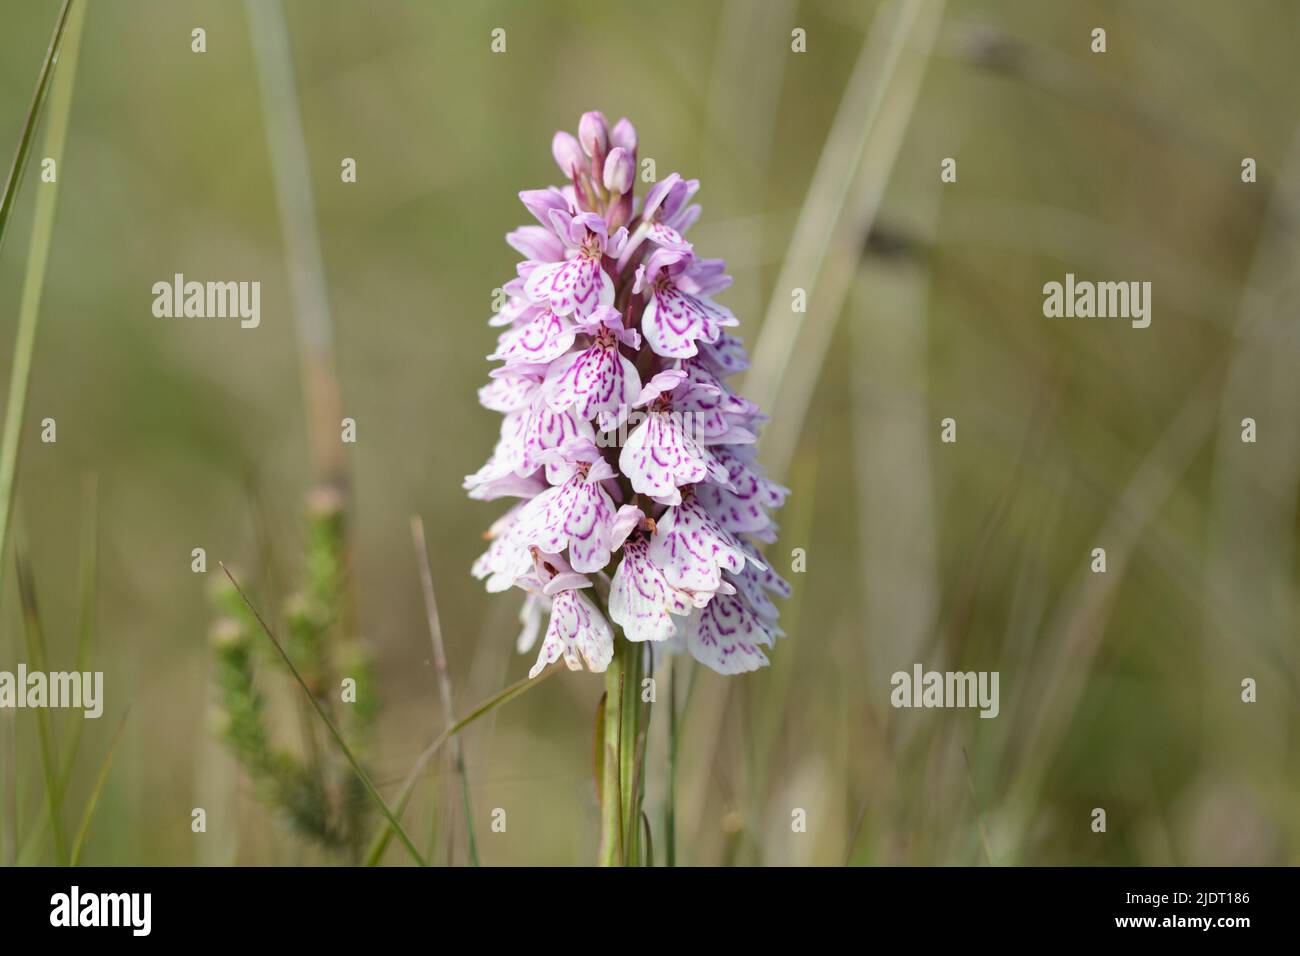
(316, 794)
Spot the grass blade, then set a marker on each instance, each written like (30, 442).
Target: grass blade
(93, 800)
(385, 834)
(329, 725)
(9, 748)
(444, 681)
(291, 170)
(89, 579)
(88, 584)
(648, 839)
(44, 732)
(68, 29)
(841, 204)
(975, 802)
(598, 746)
(33, 120)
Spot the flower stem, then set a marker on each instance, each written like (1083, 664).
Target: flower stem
(611, 796)
(630, 782)
(621, 784)
(670, 818)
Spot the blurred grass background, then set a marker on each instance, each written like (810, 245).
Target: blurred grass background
(1118, 691)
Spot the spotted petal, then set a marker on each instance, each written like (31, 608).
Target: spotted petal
(740, 508)
(505, 474)
(530, 621)
(506, 560)
(576, 286)
(508, 392)
(673, 321)
(598, 380)
(693, 550)
(544, 339)
(666, 236)
(726, 356)
(754, 585)
(708, 390)
(747, 478)
(578, 515)
(716, 413)
(659, 458)
(641, 600)
(578, 633)
(727, 636)
(548, 428)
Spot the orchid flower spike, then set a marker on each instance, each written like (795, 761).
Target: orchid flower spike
(638, 500)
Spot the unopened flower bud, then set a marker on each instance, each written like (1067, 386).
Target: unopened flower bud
(624, 134)
(593, 134)
(567, 153)
(618, 171)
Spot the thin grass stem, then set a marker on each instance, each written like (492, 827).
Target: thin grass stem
(444, 679)
(93, 801)
(979, 815)
(88, 585)
(36, 651)
(19, 164)
(9, 745)
(382, 838)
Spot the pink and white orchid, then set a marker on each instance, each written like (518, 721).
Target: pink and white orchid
(639, 499)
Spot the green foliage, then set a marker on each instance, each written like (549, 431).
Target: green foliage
(319, 797)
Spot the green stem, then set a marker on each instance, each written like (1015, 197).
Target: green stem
(634, 723)
(670, 818)
(621, 777)
(611, 797)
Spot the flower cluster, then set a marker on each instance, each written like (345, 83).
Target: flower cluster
(610, 331)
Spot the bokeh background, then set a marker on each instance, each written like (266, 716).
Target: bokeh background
(1119, 690)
